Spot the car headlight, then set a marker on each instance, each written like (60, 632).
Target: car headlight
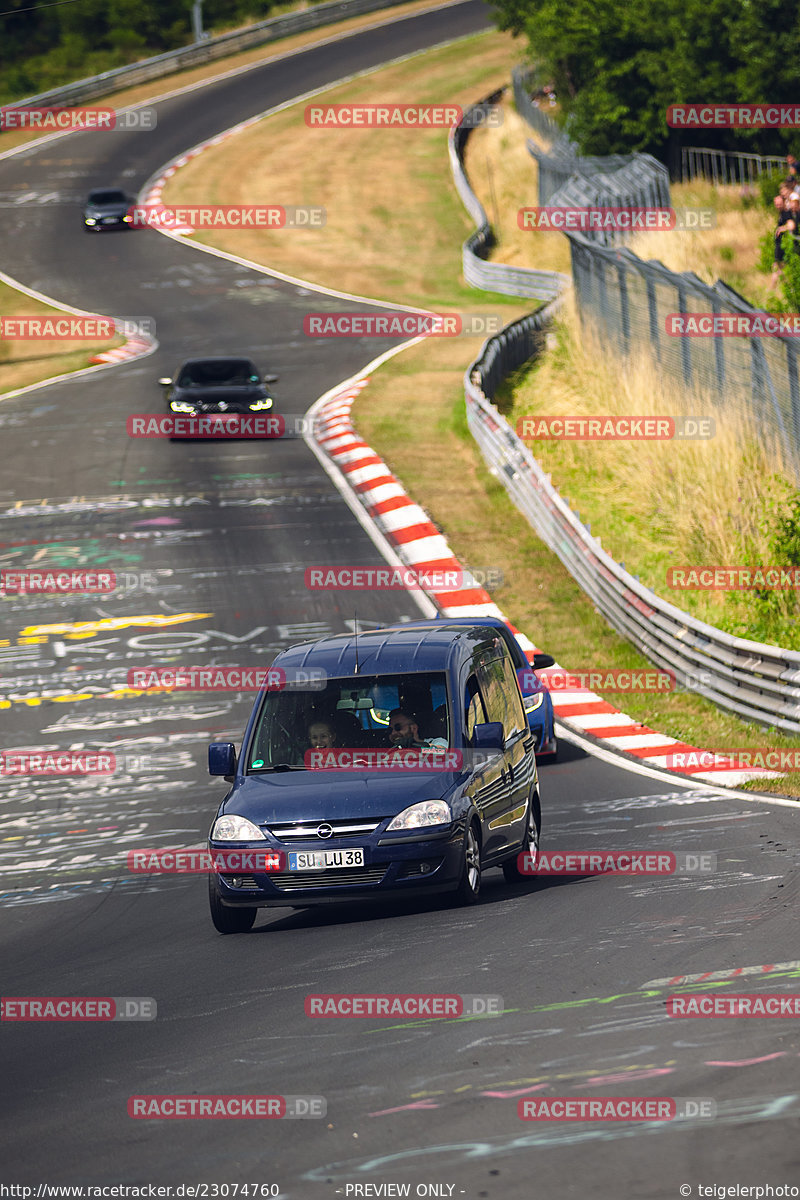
(427, 812)
(177, 406)
(534, 702)
(127, 218)
(258, 405)
(89, 221)
(232, 828)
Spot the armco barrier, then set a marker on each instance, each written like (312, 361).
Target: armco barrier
(757, 682)
(478, 272)
(204, 52)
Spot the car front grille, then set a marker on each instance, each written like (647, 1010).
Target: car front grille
(346, 877)
(307, 830)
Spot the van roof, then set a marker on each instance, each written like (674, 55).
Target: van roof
(389, 651)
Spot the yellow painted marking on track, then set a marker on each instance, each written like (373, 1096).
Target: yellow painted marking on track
(88, 628)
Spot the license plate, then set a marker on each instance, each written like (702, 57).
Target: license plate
(325, 860)
(109, 220)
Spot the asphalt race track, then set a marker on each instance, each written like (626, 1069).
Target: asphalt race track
(216, 537)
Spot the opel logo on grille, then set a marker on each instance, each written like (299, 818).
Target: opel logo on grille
(325, 831)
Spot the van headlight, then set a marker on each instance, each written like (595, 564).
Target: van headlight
(419, 816)
(233, 828)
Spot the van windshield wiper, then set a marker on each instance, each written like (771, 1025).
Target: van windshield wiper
(278, 767)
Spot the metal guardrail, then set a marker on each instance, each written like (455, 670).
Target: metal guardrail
(727, 166)
(756, 682)
(203, 52)
(478, 271)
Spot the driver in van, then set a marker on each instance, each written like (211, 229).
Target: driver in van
(404, 732)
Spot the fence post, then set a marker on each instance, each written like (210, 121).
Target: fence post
(624, 310)
(686, 354)
(794, 388)
(719, 354)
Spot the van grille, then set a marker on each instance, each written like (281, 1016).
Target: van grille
(305, 880)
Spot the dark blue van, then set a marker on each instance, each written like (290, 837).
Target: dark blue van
(392, 763)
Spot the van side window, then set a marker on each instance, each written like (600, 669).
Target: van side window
(474, 712)
(501, 693)
(514, 706)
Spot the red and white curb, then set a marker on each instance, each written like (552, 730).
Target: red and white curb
(133, 348)
(420, 545)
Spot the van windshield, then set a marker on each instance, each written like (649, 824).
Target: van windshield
(362, 711)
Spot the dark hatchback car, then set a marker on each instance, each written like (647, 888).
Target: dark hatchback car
(368, 815)
(535, 696)
(107, 208)
(218, 385)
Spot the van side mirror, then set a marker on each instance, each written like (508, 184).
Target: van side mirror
(222, 760)
(488, 736)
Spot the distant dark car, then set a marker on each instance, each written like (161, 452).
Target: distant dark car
(218, 385)
(107, 208)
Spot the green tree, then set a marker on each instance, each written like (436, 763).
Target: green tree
(618, 67)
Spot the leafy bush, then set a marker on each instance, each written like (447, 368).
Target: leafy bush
(768, 185)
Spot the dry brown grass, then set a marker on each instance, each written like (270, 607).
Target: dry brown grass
(729, 251)
(505, 177)
(378, 239)
(24, 362)
(655, 503)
